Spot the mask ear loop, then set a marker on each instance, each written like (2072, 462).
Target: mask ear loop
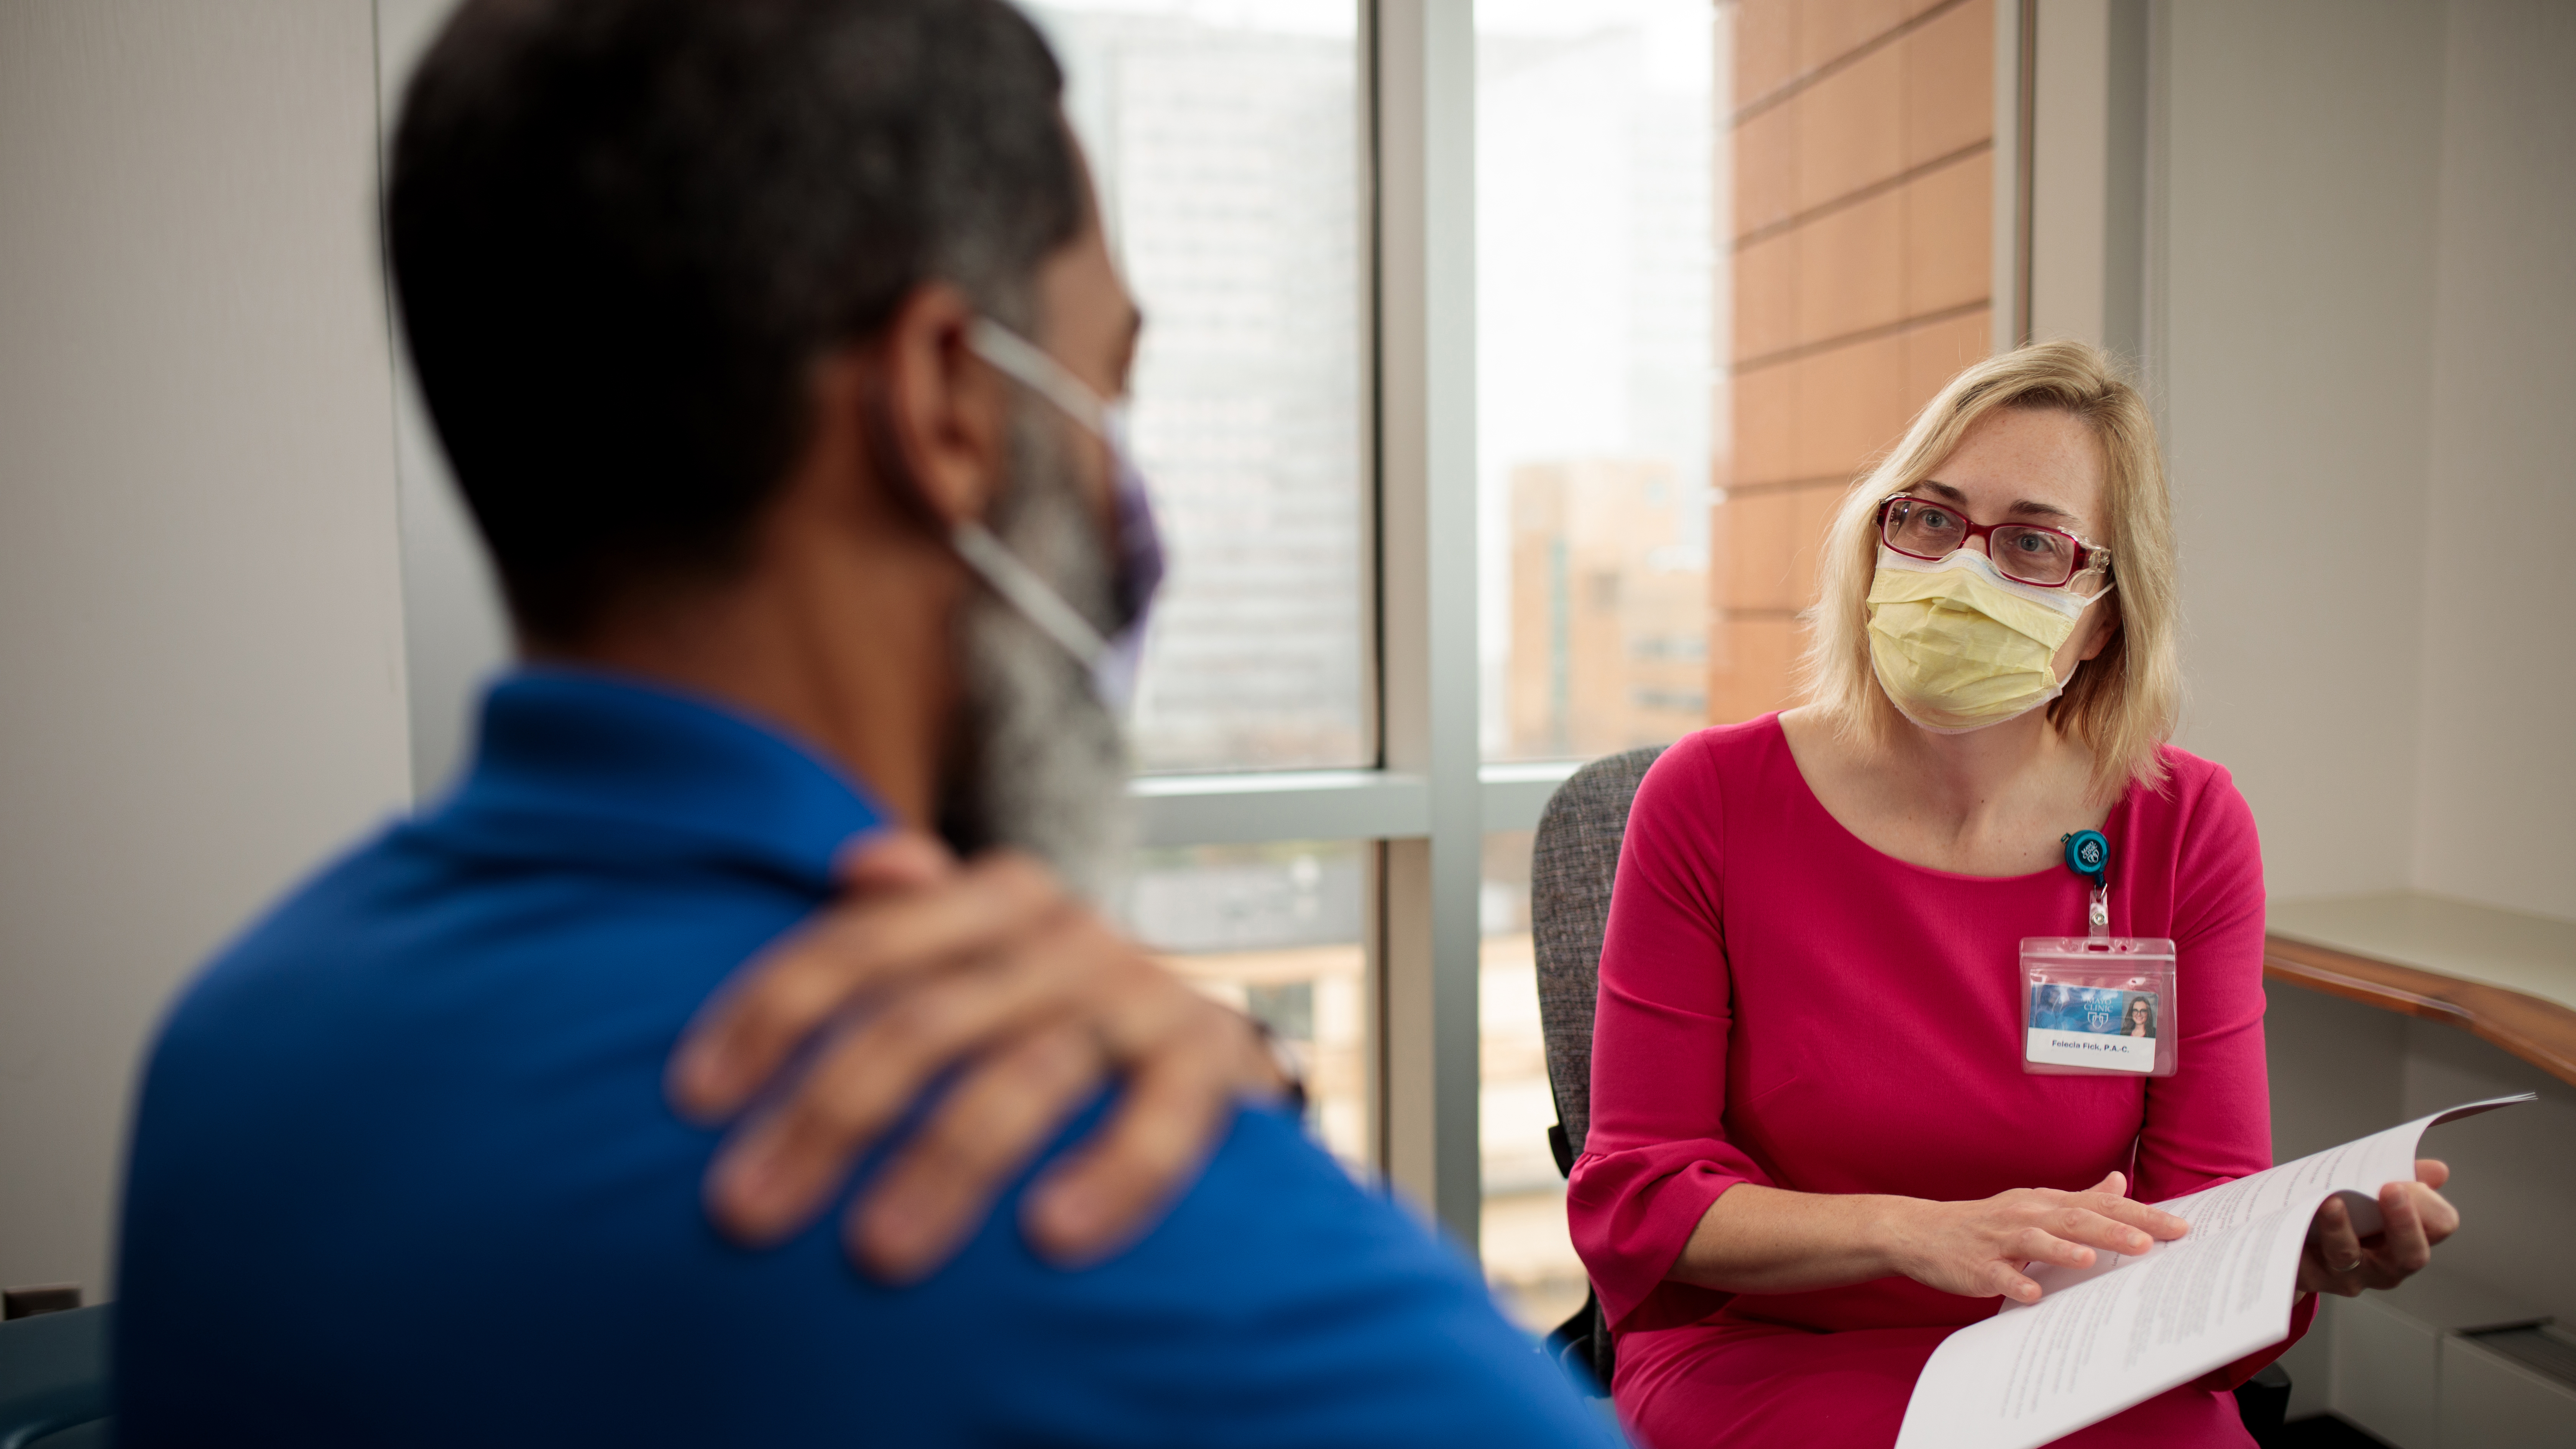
(1028, 364)
(1020, 584)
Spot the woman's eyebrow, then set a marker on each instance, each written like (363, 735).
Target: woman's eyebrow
(1959, 499)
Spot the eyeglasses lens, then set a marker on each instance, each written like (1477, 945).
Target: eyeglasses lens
(2032, 555)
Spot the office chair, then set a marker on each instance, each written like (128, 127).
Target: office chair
(53, 1379)
(1573, 861)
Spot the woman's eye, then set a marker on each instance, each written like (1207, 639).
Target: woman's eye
(1933, 518)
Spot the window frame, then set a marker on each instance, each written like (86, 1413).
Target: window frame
(1429, 800)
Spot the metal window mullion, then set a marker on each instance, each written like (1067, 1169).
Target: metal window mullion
(1423, 77)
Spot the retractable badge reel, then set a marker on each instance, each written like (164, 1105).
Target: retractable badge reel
(2097, 1004)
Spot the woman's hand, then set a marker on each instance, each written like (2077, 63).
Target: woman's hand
(1757, 1239)
(2342, 1262)
(988, 970)
(1978, 1249)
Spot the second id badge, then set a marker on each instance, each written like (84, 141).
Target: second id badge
(2098, 1005)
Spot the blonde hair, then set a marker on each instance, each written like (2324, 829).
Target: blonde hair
(2122, 702)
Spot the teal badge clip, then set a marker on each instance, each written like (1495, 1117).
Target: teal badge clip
(2088, 854)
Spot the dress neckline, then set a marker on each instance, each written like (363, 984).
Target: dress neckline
(1778, 737)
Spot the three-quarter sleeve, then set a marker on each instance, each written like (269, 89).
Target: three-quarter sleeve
(2211, 1121)
(1656, 1154)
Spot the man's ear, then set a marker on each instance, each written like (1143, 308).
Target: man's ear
(938, 418)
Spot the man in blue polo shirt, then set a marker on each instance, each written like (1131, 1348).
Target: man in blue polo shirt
(770, 341)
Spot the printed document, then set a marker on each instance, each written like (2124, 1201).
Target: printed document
(2126, 1329)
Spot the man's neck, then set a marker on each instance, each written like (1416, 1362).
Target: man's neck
(854, 662)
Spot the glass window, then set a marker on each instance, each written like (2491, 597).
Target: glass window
(1224, 139)
(1529, 1256)
(1274, 931)
(1596, 312)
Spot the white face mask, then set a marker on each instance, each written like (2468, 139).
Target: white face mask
(1958, 646)
(1112, 658)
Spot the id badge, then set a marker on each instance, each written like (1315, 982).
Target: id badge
(2097, 1006)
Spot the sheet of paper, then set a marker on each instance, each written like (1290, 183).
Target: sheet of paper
(2126, 1329)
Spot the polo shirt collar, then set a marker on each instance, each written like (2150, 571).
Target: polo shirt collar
(583, 765)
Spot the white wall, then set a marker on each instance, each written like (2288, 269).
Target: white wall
(455, 633)
(201, 667)
(2362, 318)
(2300, 149)
(2496, 782)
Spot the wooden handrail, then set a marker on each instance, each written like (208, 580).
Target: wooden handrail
(2542, 1033)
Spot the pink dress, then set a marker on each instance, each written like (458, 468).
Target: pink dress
(1783, 1004)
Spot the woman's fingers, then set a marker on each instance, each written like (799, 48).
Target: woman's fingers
(750, 1029)
(2337, 1249)
(2011, 1284)
(939, 1189)
(2440, 1218)
(2061, 1247)
(2402, 1251)
(2087, 1228)
(2155, 1223)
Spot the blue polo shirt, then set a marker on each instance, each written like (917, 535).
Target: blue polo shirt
(403, 1172)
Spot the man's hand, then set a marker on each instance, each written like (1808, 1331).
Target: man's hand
(2416, 1216)
(1978, 1249)
(988, 969)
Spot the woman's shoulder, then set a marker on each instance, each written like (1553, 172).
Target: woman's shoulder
(2191, 783)
(1694, 781)
(2197, 802)
(1725, 757)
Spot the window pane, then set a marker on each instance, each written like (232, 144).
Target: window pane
(1274, 930)
(1529, 1257)
(1595, 122)
(1223, 138)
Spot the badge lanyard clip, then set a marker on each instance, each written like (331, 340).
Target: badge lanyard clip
(2088, 854)
(2098, 1005)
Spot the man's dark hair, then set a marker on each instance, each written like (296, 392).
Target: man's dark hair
(620, 231)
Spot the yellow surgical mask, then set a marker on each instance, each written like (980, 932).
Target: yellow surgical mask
(1958, 646)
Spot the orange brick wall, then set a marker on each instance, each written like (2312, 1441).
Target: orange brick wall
(1863, 144)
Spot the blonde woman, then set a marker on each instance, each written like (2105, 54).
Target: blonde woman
(1786, 1207)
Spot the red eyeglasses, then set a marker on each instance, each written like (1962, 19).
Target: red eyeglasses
(2023, 552)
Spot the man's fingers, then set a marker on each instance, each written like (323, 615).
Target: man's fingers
(771, 1180)
(2432, 1172)
(750, 1029)
(935, 1194)
(895, 860)
(1113, 1186)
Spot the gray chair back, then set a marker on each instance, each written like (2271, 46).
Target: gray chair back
(1572, 864)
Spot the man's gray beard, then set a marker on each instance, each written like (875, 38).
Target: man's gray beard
(1043, 765)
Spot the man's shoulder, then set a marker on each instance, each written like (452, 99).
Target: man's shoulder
(400, 921)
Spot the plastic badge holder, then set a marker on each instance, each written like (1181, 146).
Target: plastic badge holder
(2097, 1006)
